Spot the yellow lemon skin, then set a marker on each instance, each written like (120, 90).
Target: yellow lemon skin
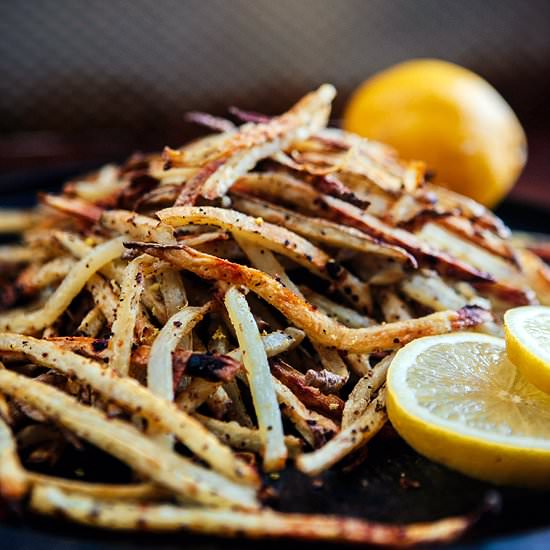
(531, 365)
(447, 116)
(484, 460)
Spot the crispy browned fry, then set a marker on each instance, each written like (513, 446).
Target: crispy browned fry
(483, 237)
(317, 325)
(507, 283)
(539, 248)
(366, 387)
(345, 315)
(303, 196)
(315, 428)
(73, 207)
(13, 479)
(129, 393)
(393, 307)
(92, 323)
(328, 405)
(97, 187)
(254, 142)
(474, 211)
(320, 230)
(128, 444)
(121, 492)
(277, 239)
(357, 434)
(136, 226)
(35, 277)
(165, 517)
(212, 367)
(73, 283)
(122, 329)
(272, 237)
(245, 438)
(213, 122)
(425, 254)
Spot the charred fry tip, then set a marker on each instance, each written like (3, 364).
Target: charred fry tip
(472, 316)
(248, 116)
(72, 206)
(212, 367)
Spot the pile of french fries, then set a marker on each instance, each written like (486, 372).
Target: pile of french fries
(231, 308)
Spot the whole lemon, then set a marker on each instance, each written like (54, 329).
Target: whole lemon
(448, 116)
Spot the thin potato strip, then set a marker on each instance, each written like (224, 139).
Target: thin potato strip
(432, 292)
(275, 238)
(343, 314)
(349, 439)
(320, 230)
(159, 367)
(254, 142)
(165, 517)
(274, 343)
(393, 307)
(266, 261)
(317, 325)
(73, 283)
(92, 323)
(195, 394)
(122, 330)
(131, 492)
(16, 221)
(34, 279)
(362, 393)
(15, 254)
(103, 296)
(79, 248)
(328, 405)
(122, 440)
(245, 438)
(13, 479)
(132, 395)
(537, 274)
(136, 226)
(198, 391)
(105, 184)
(482, 237)
(315, 428)
(172, 290)
(257, 370)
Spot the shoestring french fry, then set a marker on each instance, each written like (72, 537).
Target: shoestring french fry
(254, 359)
(266, 524)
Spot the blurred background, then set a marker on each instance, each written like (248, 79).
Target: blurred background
(83, 82)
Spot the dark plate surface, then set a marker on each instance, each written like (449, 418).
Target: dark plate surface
(394, 484)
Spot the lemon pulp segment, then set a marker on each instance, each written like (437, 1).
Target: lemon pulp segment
(460, 401)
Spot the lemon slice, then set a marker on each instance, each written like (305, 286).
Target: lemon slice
(459, 400)
(527, 331)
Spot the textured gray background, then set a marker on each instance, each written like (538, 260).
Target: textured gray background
(138, 65)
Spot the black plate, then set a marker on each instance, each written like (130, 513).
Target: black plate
(395, 484)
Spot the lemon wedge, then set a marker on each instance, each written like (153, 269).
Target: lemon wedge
(527, 332)
(460, 401)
